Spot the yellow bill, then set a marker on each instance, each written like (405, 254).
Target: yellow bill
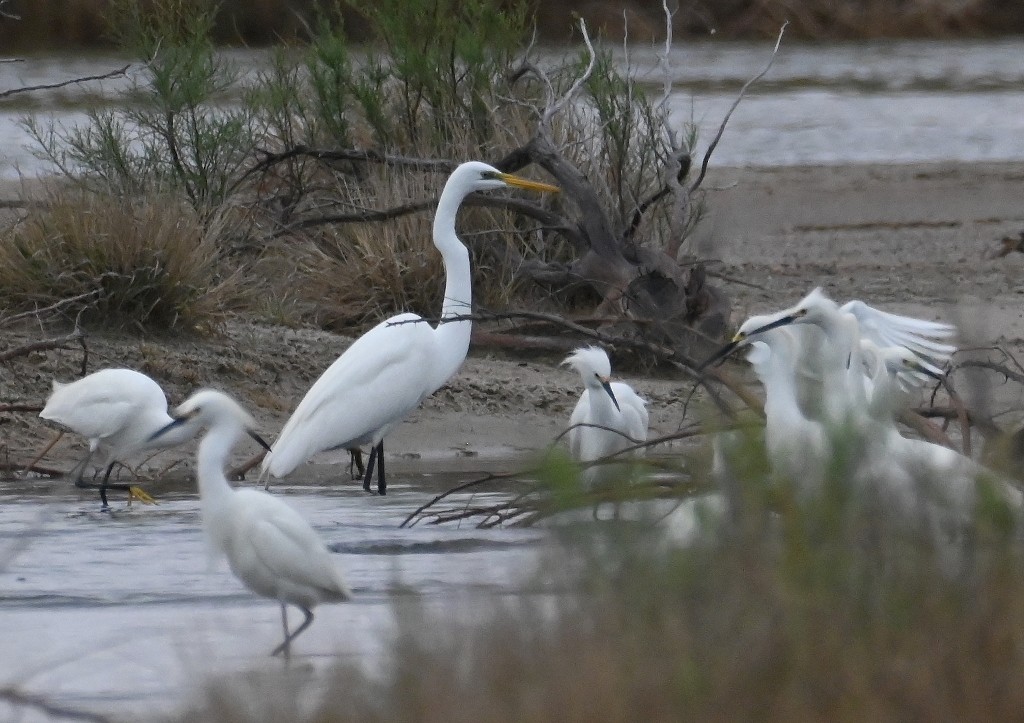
(527, 184)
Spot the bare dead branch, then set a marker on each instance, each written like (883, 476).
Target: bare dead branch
(21, 699)
(59, 342)
(351, 155)
(557, 105)
(550, 221)
(120, 72)
(19, 407)
(721, 128)
(238, 473)
(1002, 369)
(53, 308)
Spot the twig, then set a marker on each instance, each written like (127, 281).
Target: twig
(54, 343)
(238, 473)
(735, 103)
(52, 86)
(20, 407)
(56, 306)
(21, 699)
(458, 488)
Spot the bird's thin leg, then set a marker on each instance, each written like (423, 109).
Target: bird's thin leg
(355, 463)
(288, 638)
(284, 647)
(382, 484)
(369, 467)
(77, 475)
(104, 486)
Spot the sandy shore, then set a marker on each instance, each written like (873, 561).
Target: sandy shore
(914, 239)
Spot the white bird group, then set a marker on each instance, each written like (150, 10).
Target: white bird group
(382, 377)
(836, 373)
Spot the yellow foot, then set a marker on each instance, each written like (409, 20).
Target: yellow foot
(139, 494)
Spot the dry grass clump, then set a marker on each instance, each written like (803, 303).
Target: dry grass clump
(147, 264)
(800, 608)
(353, 275)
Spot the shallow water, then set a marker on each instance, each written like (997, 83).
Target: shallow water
(119, 612)
(865, 102)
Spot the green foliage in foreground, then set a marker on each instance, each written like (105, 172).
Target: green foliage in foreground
(792, 607)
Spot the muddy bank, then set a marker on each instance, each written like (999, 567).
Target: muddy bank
(914, 239)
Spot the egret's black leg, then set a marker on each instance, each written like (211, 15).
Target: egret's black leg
(382, 484)
(355, 463)
(104, 485)
(285, 646)
(369, 468)
(78, 474)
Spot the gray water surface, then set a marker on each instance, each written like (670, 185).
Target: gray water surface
(120, 612)
(863, 102)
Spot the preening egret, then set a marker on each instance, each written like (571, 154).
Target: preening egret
(269, 546)
(117, 410)
(609, 416)
(394, 366)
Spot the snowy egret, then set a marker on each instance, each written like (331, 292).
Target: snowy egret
(269, 546)
(117, 410)
(394, 366)
(798, 447)
(609, 416)
(832, 356)
(920, 336)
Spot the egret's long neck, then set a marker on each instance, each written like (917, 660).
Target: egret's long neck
(780, 404)
(458, 287)
(211, 460)
(452, 337)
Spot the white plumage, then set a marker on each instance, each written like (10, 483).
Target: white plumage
(609, 416)
(268, 545)
(117, 410)
(389, 370)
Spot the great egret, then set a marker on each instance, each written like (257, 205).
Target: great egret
(117, 410)
(269, 546)
(609, 416)
(394, 366)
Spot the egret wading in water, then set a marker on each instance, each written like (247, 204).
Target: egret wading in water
(394, 366)
(609, 416)
(117, 410)
(269, 546)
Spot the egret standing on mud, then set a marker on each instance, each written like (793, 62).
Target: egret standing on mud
(268, 545)
(394, 366)
(609, 417)
(117, 410)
